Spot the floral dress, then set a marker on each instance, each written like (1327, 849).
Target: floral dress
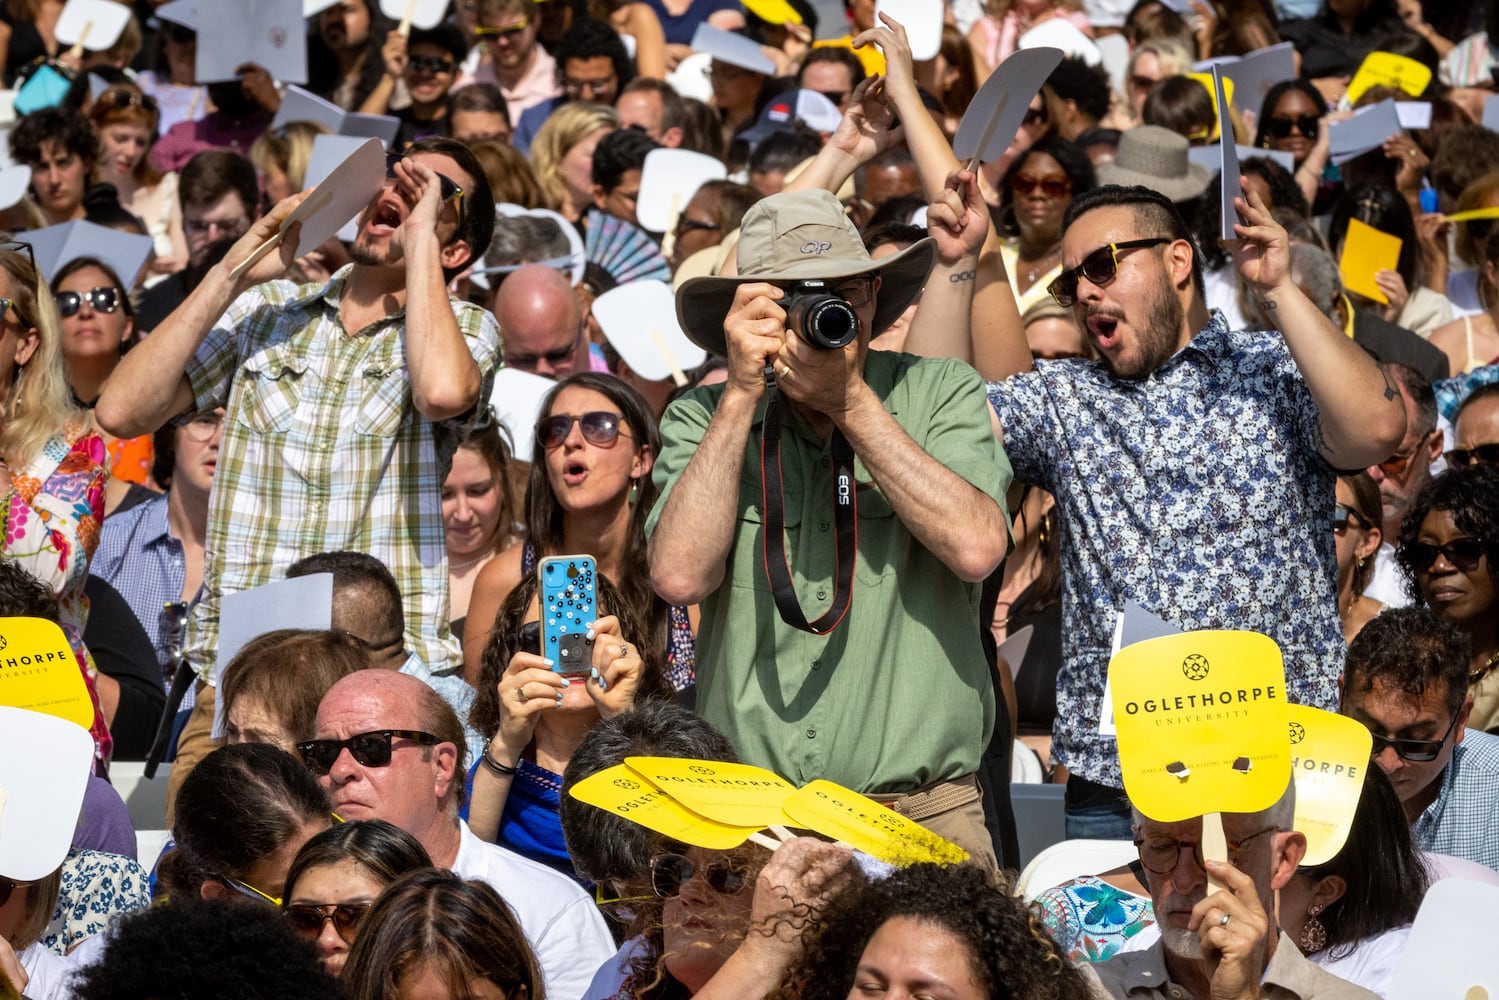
(1091, 919)
(52, 518)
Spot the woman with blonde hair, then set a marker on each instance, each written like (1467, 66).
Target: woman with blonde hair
(127, 121)
(52, 466)
(562, 154)
(280, 156)
(510, 176)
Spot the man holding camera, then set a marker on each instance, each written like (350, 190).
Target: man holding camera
(866, 483)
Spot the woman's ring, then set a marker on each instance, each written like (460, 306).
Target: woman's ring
(1223, 920)
(521, 693)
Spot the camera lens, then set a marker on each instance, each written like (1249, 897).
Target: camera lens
(823, 320)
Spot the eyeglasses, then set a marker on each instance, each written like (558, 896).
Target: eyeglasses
(589, 87)
(8, 886)
(435, 65)
(308, 919)
(446, 186)
(201, 427)
(370, 749)
(246, 889)
(1479, 454)
(1161, 855)
(1100, 267)
(102, 299)
(1279, 126)
(1462, 554)
(855, 291)
(1051, 187)
(361, 642)
(1415, 751)
(217, 228)
(1342, 514)
(600, 428)
(1399, 463)
(686, 225)
(509, 32)
(670, 871)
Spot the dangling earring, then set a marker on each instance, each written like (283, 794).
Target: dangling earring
(1360, 563)
(634, 497)
(1313, 934)
(1045, 532)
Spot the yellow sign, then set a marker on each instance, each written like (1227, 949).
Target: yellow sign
(773, 11)
(1386, 69)
(1366, 252)
(732, 794)
(39, 671)
(626, 793)
(865, 825)
(1329, 754)
(1201, 720)
(1206, 79)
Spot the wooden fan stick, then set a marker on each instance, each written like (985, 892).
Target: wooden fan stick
(677, 375)
(978, 154)
(404, 28)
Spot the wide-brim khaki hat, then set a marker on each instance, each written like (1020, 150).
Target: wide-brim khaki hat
(1156, 158)
(796, 236)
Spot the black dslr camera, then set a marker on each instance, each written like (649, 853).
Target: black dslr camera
(819, 317)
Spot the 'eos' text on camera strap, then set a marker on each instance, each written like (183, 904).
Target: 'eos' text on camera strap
(845, 522)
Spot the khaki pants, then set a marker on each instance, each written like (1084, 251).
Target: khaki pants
(953, 810)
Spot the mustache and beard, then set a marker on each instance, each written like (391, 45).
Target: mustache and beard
(1156, 337)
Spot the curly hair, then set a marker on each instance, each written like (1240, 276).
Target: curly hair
(1471, 495)
(1008, 949)
(201, 951)
(1408, 650)
(1284, 192)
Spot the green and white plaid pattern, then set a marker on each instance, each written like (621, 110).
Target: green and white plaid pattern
(323, 451)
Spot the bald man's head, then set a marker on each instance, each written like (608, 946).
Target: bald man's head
(540, 323)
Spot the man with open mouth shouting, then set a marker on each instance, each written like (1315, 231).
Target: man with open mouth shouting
(1192, 465)
(343, 402)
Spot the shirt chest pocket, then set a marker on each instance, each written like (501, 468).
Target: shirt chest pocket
(272, 387)
(383, 392)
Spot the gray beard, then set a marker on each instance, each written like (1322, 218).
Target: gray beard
(1181, 942)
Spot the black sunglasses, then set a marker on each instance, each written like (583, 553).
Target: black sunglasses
(446, 186)
(8, 886)
(430, 64)
(308, 919)
(600, 428)
(670, 871)
(1280, 126)
(1100, 267)
(1462, 553)
(102, 299)
(1416, 751)
(1479, 454)
(1342, 514)
(370, 749)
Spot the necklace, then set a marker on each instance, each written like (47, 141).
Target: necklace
(1483, 671)
(1039, 266)
(455, 568)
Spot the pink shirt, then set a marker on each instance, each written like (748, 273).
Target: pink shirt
(539, 84)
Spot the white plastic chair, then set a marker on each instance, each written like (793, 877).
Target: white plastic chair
(146, 800)
(1025, 766)
(1069, 859)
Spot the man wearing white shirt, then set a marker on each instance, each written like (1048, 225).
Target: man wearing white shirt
(390, 748)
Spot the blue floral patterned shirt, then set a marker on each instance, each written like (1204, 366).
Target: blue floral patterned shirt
(1197, 491)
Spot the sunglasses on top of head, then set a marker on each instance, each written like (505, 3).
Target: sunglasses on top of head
(103, 299)
(1100, 267)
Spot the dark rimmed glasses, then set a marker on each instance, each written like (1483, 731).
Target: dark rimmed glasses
(599, 428)
(1479, 454)
(246, 889)
(308, 919)
(1162, 855)
(373, 749)
(447, 188)
(1051, 187)
(435, 65)
(1342, 514)
(670, 871)
(1462, 553)
(1279, 126)
(1100, 267)
(1415, 751)
(105, 299)
(8, 886)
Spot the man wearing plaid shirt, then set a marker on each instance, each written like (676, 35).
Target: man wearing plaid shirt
(344, 402)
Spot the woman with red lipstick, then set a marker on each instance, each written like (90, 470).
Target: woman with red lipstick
(1033, 197)
(1448, 551)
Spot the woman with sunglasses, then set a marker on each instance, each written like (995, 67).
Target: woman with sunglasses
(1033, 197)
(1356, 525)
(336, 877)
(97, 320)
(241, 816)
(1293, 119)
(589, 492)
(1448, 553)
(432, 935)
(127, 121)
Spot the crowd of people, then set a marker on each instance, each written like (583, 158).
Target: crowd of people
(953, 417)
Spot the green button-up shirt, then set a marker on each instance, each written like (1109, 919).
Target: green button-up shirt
(898, 695)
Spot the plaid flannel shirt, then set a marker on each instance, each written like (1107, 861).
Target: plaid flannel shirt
(323, 450)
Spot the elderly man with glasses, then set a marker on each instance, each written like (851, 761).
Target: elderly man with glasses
(1193, 465)
(1407, 680)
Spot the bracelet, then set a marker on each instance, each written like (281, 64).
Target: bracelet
(495, 767)
(962, 276)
